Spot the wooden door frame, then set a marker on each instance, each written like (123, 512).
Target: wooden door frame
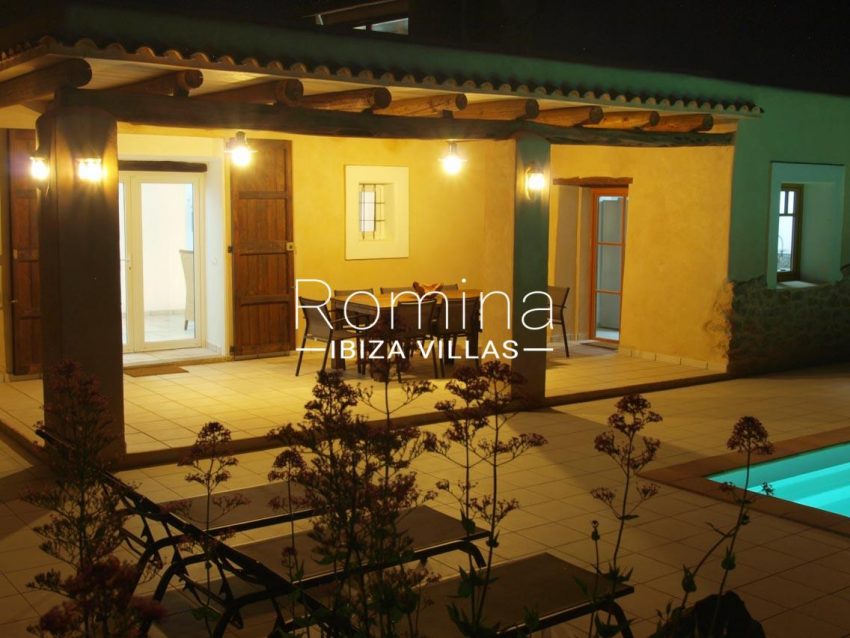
(6, 252)
(595, 193)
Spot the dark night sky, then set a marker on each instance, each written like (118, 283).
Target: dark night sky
(776, 42)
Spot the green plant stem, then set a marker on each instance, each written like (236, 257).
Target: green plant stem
(467, 508)
(742, 509)
(207, 517)
(702, 562)
(595, 583)
(494, 463)
(623, 509)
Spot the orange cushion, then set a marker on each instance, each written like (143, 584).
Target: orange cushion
(423, 288)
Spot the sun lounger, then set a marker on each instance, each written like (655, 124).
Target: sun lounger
(554, 590)
(260, 564)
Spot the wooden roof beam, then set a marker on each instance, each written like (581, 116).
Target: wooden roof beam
(427, 106)
(571, 116)
(500, 110)
(159, 110)
(354, 100)
(627, 119)
(43, 82)
(287, 92)
(176, 83)
(685, 123)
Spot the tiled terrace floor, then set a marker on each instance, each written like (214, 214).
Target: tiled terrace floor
(255, 395)
(795, 579)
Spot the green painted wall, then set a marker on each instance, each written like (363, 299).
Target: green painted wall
(796, 127)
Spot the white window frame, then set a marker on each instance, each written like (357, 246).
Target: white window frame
(822, 222)
(394, 241)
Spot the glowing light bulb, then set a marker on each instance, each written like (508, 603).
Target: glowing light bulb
(39, 170)
(240, 153)
(535, 180)
(452, 162)
(90, 169)
(241, 156)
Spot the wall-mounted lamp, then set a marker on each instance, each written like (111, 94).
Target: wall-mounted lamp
(535, 180)
(241, 154)
(452, 162)
(39, 168)
(90, 169)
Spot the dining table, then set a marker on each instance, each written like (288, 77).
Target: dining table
(362, 304)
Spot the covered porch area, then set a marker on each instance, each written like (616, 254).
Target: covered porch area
(489, 229)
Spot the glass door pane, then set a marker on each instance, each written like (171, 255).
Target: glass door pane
(609, 218)
(167, 216)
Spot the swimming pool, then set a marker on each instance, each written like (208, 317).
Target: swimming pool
(819, 479)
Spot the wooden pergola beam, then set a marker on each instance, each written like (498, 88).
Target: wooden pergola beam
(627, 119)
(43, 82)
(500, 110)
(288, 92)
(685, 123)
(596, 182)
(571, 116)
(159, 110)
(176, 83)
(427, 106)
(354, 100)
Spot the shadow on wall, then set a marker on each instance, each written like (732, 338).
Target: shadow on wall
(777, 329)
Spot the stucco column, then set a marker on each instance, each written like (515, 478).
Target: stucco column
(531, 255)
(80, 267)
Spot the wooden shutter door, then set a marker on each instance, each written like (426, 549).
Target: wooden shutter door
(263, 278)
(25, 292)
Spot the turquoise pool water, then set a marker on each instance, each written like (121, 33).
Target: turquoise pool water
(819, 479)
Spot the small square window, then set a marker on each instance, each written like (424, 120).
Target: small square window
(377, 212)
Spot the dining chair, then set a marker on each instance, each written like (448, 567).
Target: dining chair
(559, 301)
(412, 324)
(385, 290)
(321, 325)
(454, 318)
(359, 319)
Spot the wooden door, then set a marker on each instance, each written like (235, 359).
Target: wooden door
(263, 277)
(25, 289)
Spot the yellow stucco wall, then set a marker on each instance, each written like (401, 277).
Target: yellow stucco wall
(460, 226)
(677, 245)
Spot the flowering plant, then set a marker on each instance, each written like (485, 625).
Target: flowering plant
(712, 616)
(85, 526)
(624, 443)
(211, 460)
(477, 422)
(357, 481)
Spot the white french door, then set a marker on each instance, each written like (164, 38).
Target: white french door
(161, 275)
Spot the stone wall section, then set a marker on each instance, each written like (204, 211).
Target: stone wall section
(776, 329)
